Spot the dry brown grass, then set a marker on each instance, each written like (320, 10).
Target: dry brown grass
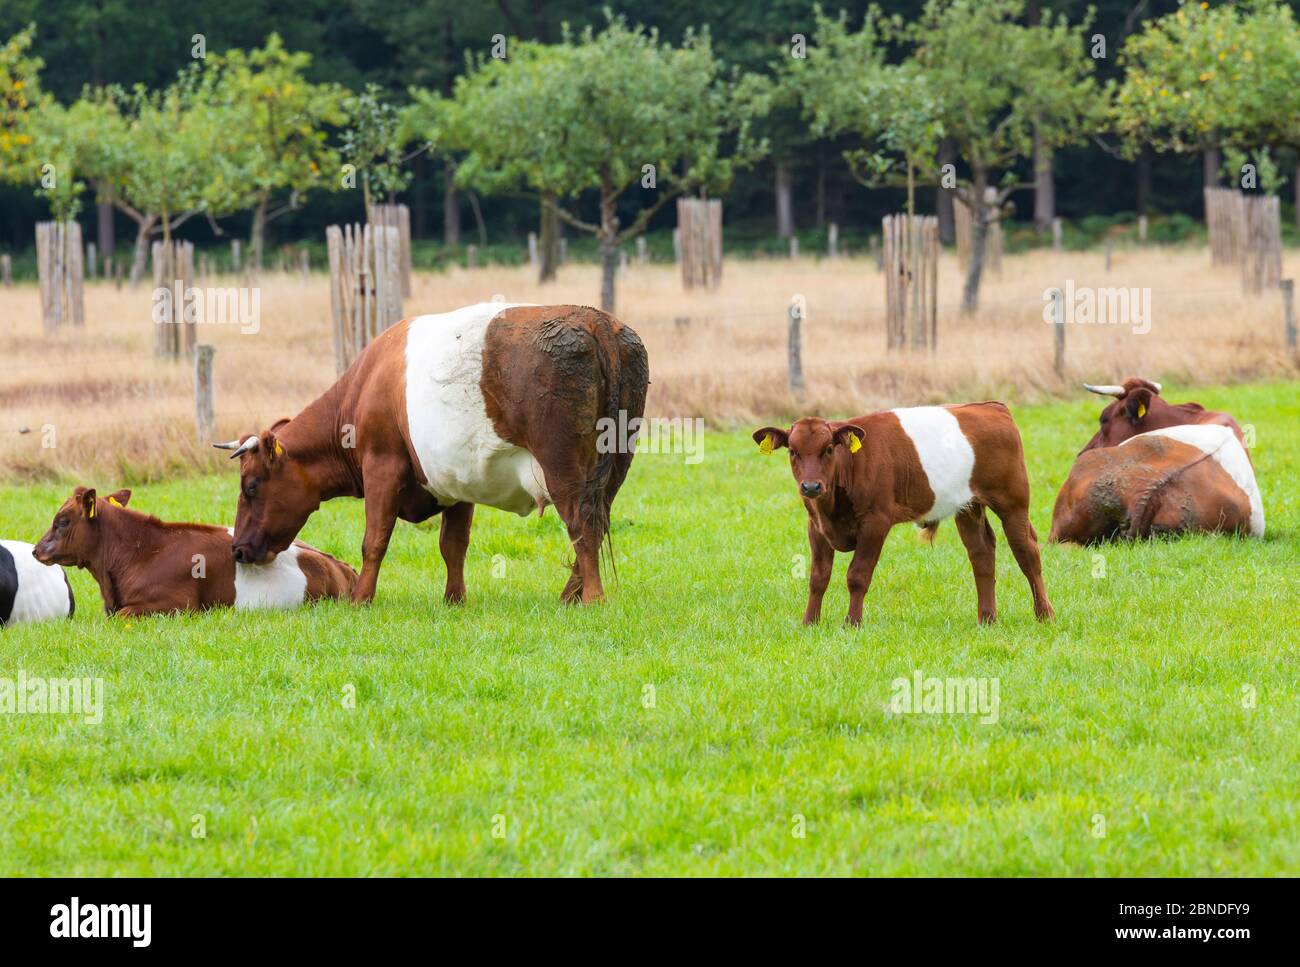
(116, 412)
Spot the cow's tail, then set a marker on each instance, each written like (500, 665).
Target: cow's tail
(1149, 502)
(926, 532)
(624, 372)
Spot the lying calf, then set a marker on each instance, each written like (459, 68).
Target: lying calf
(1171, 481)
(30, 590)
(146, 566)
(861, 477)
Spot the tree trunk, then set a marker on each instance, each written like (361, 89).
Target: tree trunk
(258, 235)
(608, 243)
(548, 244)
(978, 232)
(1211, 161)
(943, 197)
(104, 226)
(141, 254)
(1144, 180)
(1044, 184)
(784, 200)
(450, 205)
(821, 190)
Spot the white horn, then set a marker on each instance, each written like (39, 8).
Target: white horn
(1104, 390)
(1156, 385)
(239, 449)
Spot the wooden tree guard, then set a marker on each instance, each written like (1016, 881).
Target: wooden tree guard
(365, 285)
(911, 258)
(699, 232)
(59, 269)
(173, 270)
(1245, 230)
(398, 217)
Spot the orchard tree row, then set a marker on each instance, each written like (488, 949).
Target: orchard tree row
(603, 127)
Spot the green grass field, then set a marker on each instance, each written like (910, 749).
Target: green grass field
(511, 736)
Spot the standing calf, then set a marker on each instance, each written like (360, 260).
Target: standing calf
(861, 477)
(145, 566)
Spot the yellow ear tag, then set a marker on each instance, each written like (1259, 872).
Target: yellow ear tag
(1142, 410)
(765, 448)
(854, 443)
(90, 514)
(113, 501)
(279, 450)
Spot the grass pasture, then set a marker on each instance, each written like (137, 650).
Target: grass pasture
(1129, 715)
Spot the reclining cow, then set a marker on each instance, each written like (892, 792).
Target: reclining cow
(145, 566)
(1170, 481)
(30, 590)
(1139, 408)
(860, 477)
(490, 404)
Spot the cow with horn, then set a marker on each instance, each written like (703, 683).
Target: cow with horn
(1139, 408)
(492, 404)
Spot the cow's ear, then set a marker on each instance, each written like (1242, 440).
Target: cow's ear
(121, 498)
(770, 438)
(1136, 404)
(850, 435)
(87, 498)
(270, 447)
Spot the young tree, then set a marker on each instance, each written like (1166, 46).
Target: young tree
(277, 141)
(973, 74)
(606, 113)
(373, 142)
(21, 102)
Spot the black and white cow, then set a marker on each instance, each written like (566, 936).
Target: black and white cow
(30, 590)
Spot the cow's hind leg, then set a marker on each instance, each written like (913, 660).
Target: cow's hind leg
(1024, 545)
(981, 547)
(453, 542)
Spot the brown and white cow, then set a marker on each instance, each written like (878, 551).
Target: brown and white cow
(860, 477)
(1139, 408)
(1169, 481)
(146, 566)
(490, 404)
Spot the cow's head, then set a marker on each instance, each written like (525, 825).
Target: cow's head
(1137, 408)
(813, 445)
(276, 496)
(74, 536)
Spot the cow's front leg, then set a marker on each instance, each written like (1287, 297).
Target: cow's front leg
(381, 515)
(819, 575)
(870, 539)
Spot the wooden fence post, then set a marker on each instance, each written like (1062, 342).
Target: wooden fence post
(204, 412)
(234, 255)
(833, 240)
(642, 255)
(699, 235)
(1288, 312)
(1058, 326)
(532, 248)
(6, 271)
(92, 262)
(1142, 228)
(794, 246)
(1056, 234)
(1108, 248)
(471, 256)
(795, 315)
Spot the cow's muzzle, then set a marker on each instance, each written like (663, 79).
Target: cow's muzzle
(245, 552)
(811, 488)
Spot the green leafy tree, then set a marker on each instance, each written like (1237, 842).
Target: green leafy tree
(21, 100)
(609, 113)
(1205, 79)
(277, 145)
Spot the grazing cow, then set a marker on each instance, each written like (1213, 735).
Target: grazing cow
(861, 477)
(1170, 481)
(145, 566)
(1139, 408)
(490, 404)
(30, 590)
